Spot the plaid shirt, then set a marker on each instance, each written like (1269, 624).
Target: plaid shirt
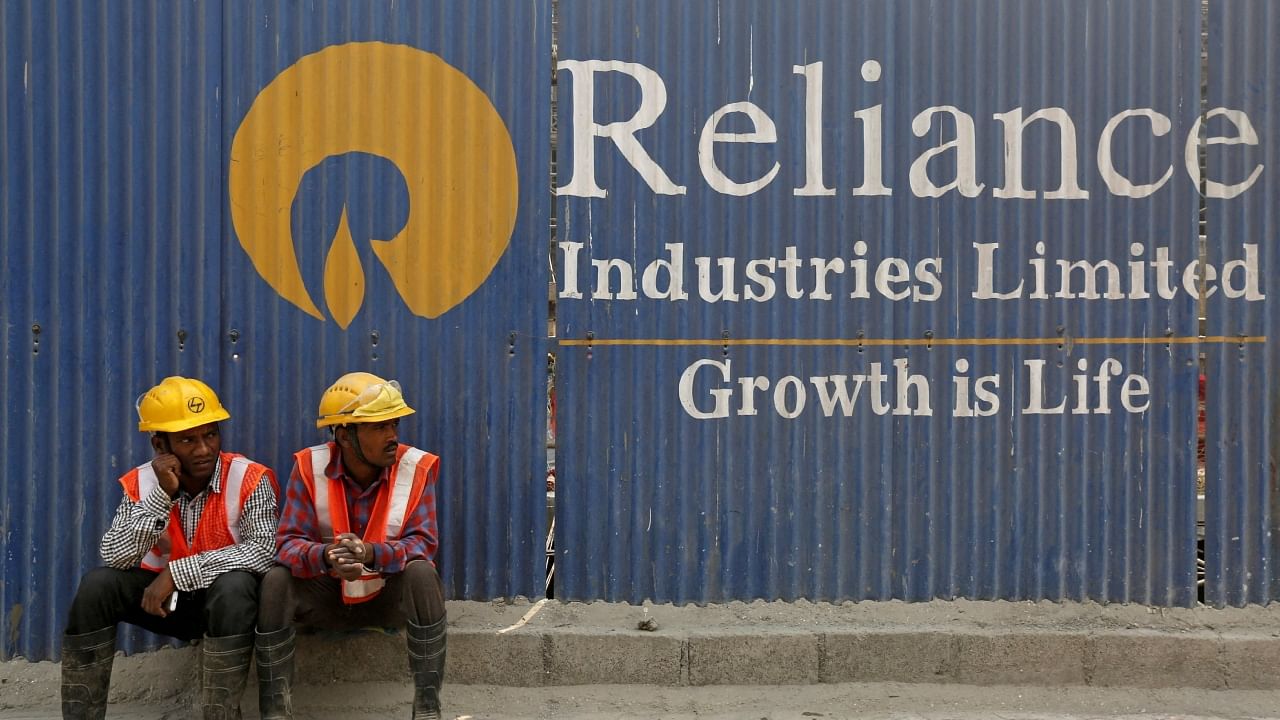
(137, 527)
(301, 549)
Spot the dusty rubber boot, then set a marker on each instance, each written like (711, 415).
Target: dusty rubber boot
(225, 669)
(86, 673)
(274, 653)
(426, 660)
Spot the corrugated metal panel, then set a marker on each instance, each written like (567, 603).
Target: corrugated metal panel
(111, 232)
(655, 504)
(147, 227)
(1243, 401)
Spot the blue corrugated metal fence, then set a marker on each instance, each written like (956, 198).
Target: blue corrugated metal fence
(856, 300)
(1242, 504)
(798, 241)
(170, 206)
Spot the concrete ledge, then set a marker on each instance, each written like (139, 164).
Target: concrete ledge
(1019, 658)
(754, 659)
(487, 658)
(886, 656)
(613, 658)
(328, 658)
(1250, 663)
(976, 643)
(1149, 659)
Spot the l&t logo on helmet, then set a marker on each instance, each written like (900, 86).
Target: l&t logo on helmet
(411, 108)
(195, 405)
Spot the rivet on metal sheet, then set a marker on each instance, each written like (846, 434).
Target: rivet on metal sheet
(35, 339)
(928, 336)
(511, 343)
(233, 336)
(182, 339)
(373, 338)
(860, 337)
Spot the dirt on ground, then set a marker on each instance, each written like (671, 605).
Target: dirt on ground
(881, 701)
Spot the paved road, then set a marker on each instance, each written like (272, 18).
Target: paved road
(870, 701)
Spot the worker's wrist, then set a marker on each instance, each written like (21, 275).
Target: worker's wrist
(318, 557)
(157, 503)
(372, 551)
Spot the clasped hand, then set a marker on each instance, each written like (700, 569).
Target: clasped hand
(348, 555)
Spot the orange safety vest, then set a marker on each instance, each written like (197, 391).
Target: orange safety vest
(397, 498)
(219, 524)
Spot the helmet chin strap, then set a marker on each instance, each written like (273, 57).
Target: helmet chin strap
(353, 434)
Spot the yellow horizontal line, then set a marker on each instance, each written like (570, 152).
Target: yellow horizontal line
(884, 342)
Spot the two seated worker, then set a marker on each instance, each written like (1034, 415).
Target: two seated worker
(196, 551)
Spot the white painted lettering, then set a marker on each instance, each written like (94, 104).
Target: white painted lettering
(1014, 129)
(653, 100)
(965, 146)
(763, 131)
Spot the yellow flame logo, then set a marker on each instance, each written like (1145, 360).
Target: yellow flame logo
(411, 108)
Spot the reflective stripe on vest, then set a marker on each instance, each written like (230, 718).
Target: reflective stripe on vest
(320, 490)
(401, 490)
(233, 476)
(232, 486)
(371, 584)
(366, 588)
(398, 513)
(147, 481)
(400, 506)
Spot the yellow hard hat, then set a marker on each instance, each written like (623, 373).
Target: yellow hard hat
(177, 404)
(361, 397)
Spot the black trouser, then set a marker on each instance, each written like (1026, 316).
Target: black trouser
(415, 594)
(107, 596)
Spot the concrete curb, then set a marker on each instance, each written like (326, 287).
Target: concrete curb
(996, 643)
(1116, 659)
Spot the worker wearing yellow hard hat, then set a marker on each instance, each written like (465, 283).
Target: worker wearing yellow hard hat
(177, 404)
(193, 534)
(356, 542)
(361, 398)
